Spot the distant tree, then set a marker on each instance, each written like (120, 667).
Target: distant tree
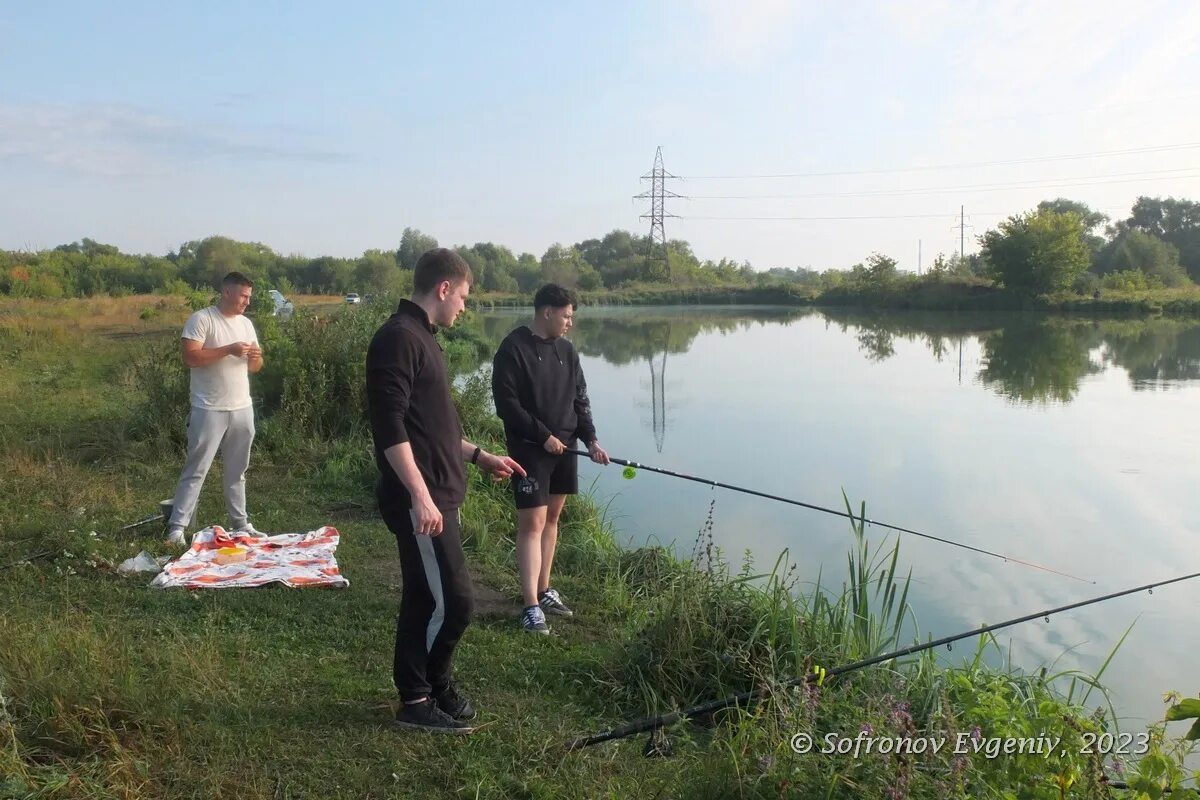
(89, 247)
(684, 266)
(216, 257)
(940, 267)
(1090, 218)
(496, 266)
(203, 263)
(376, 271)
(619, 257)
(528, 273)
(1176, 222)
(566, 266)
(881, 269)
(1144, 252)
(330, 275)
(1037, 252)
(478, 264)
(413, 245)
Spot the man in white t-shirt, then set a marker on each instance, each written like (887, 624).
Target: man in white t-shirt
(221, 349)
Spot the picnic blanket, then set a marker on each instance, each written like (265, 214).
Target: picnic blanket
(293, 559)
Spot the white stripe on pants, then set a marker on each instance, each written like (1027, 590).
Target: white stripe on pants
(231, 433)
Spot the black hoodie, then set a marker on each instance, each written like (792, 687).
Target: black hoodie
(408, 397)
(539, 390)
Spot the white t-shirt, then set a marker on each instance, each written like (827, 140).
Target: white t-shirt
(223, 385)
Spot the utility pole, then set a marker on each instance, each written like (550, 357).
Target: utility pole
(918, 256)
(962, 228)
(657, 196)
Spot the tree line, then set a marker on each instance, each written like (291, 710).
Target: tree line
(88, 267)
(1060, 245)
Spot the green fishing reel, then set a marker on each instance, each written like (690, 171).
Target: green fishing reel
(629, 473)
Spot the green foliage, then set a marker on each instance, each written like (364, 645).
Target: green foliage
(707, 634)
(1135, 250)
(195, 299)
(1161, 771)
(1032, 254)
(413, 245)
(377, 272)
(157, 377)
(566, 266)
(1130, 280)
(1176, 222)
(1185, 710)
(1038, 252)
(311, 387)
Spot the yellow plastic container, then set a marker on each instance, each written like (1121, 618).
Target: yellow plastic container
(231, 555)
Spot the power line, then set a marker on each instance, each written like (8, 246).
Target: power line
(967, 165)
(946, 215)
(1040, 183)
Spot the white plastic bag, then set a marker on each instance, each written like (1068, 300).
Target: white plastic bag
(142, 562)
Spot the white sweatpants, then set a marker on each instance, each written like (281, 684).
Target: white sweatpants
(231, 433)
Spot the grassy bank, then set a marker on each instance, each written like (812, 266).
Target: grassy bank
(957, 295)
(111, 690)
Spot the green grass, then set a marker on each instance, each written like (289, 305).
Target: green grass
(109, 689)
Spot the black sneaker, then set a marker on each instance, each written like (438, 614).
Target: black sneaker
(426, 716)
(453, 703)
(551, 602)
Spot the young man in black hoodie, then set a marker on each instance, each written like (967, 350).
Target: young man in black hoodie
(421, 455)
(541, 396)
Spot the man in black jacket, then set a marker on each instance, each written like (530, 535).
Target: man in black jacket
(541, 396)
(421, 455)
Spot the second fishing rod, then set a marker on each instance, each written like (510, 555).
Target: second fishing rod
(845, 514)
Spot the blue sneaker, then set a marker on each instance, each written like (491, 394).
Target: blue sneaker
(534, 621)
(551, 602)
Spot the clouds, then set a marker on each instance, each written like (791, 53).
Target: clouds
(326, 109)
(117, 141)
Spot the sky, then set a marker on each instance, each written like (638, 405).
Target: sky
(327, 128)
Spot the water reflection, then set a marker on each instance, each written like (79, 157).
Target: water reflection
(1039, 359)
(625, 336)
(1027, 359)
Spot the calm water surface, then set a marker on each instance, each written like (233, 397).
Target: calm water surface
(1071, 443)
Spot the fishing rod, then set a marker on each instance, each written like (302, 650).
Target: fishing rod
(835, 512)
(820, 675)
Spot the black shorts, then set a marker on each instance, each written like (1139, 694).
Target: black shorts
(546, 474)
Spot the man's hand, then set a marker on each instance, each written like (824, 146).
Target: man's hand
(597, 453)
(499, 467)
(239, 349)
(554, 446)
(254, 353)
(428, 520)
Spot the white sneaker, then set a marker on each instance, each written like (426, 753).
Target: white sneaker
(175, 538)
(251, 531)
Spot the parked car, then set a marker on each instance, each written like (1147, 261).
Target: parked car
(353, 298)
(283, 306)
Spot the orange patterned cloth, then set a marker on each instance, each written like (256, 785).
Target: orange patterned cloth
(293, 559)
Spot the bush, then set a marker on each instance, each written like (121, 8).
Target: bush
(1131, 280)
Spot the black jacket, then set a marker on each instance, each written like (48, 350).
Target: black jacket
(539, 390)
(408, 397)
